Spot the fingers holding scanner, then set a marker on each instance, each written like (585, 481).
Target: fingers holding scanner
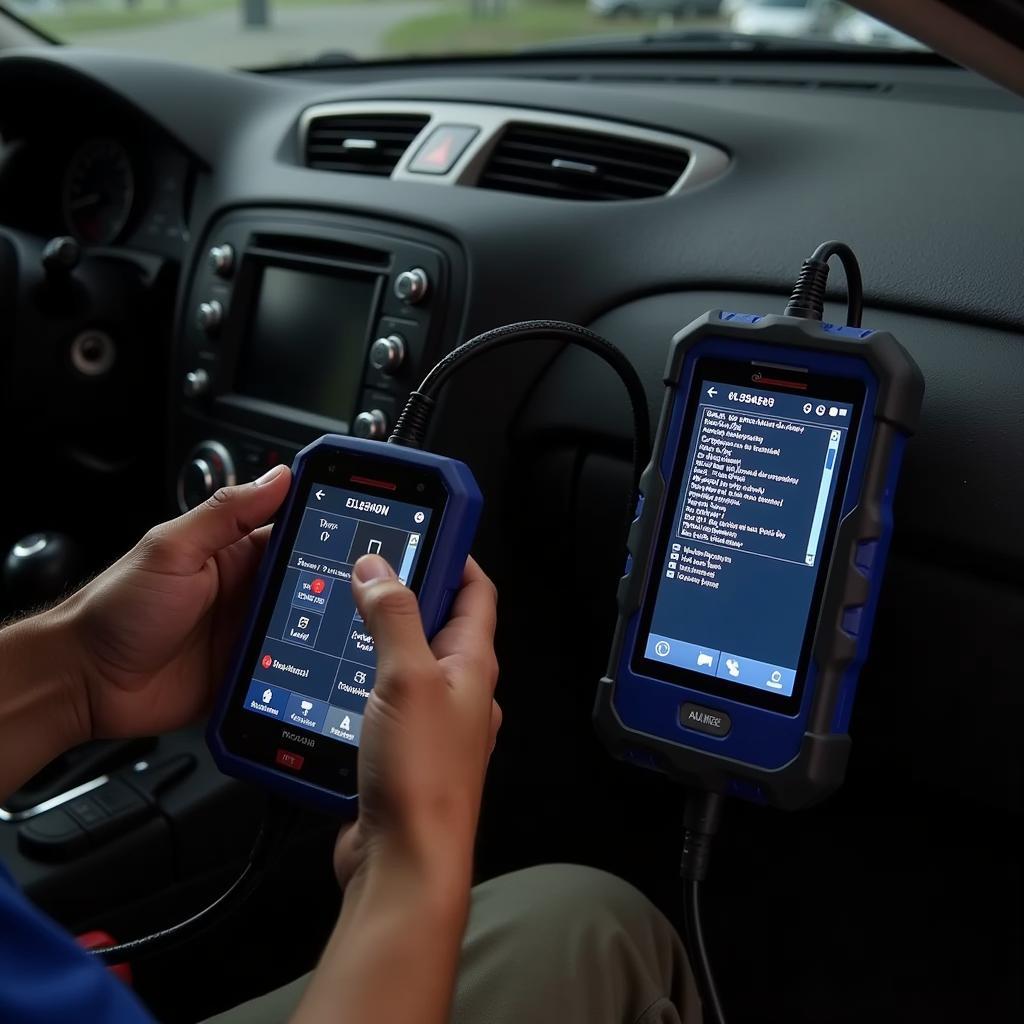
(461, 655)
(225, 518)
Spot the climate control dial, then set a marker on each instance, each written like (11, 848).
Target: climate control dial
(209, 466)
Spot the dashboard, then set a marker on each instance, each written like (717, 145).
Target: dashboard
(316, 239)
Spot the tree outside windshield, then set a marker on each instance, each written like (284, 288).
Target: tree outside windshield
(264, 33)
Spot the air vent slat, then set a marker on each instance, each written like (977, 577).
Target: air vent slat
(361, 143)
(595, 145)
(518, 183)
(630, 172)
(632, 188)
(542, 155)
(539, 160)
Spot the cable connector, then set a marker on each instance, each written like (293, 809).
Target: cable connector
(412, 424)
(808, 298)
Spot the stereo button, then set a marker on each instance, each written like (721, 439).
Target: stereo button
(412, 285)
(388, 354)
(196, 383)
(209, 316)
(222, 260)
(372, 424)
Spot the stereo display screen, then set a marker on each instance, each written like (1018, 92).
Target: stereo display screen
(307, 340)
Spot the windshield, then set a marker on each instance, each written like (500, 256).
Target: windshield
(264, 33)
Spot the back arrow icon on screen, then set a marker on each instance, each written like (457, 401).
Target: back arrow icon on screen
(319, 495)
(712, 392)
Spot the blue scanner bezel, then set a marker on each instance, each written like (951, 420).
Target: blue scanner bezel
(649, 705)
(795, 758)
(441, 580)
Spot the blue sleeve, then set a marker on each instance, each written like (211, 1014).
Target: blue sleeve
(46, 979)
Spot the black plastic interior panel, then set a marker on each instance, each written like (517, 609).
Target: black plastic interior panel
(807, 164)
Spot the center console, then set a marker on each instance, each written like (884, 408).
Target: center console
(299, 324)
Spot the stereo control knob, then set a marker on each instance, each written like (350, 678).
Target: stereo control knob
(209, 466)
(388, 354)
(412, 285)
(372, 424)
(209, 316)
(221, 259)
(196, 383)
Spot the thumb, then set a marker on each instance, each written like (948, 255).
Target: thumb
(224, 518)
(391, 612)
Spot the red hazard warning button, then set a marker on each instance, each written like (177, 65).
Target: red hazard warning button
(442, 148)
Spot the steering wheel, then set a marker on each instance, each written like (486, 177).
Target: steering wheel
(83, 334)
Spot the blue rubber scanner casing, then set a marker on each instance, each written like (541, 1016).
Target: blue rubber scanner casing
(788, 760)
(441, 581)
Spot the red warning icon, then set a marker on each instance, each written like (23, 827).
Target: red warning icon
(317, 586)
(266, 661)
(439, 154)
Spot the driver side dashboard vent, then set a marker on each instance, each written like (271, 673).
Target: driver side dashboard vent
(361, 143)
(562, 163)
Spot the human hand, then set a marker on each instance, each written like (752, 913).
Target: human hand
(431, 723)
(154, 631)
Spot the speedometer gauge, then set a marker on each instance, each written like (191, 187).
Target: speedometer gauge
(99, 189)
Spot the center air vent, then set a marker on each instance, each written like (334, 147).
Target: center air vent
(566, 164)
(361, 143)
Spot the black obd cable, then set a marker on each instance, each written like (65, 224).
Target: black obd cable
(274, 829)
(700, 823)
(411, 428)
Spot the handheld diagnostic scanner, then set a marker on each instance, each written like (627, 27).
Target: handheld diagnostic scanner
(290, 713)
(757, 554)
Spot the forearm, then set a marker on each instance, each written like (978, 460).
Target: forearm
(394, 954)
(40, 696)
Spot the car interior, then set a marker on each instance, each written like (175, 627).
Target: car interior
(627, 182)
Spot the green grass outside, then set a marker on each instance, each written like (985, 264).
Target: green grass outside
(79, 19)
(457, 31)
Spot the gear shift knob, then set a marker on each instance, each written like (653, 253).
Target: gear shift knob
(40, 568)
(61, 255)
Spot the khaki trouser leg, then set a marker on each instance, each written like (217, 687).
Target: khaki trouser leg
(557, 944)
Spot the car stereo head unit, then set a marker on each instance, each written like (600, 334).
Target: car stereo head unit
(304, 330)
(297, 325)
